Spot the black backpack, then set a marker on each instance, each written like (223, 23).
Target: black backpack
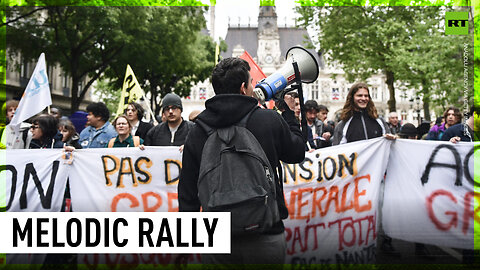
(235, 176)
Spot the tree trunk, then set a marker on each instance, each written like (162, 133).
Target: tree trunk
(426, 108)
(392, 106)
(74, 101)
(426, 100)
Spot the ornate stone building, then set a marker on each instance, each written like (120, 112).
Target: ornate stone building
(268, 43)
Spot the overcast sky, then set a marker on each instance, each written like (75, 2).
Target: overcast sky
(245, 10)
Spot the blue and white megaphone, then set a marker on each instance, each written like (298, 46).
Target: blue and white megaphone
(307, 65)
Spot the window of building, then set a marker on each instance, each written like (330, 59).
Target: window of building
(65, 80)
(374, 93)
(24, 72)
(404, 115)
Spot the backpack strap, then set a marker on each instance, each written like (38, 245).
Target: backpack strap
(136, 141)
(205, 127)
(111, 142)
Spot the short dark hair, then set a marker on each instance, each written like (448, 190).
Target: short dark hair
(293, 94)
(322, 108)
(99, 109)
(48, 124)
(59, 110)
(229, 74)
(311, 105)
(139, 108)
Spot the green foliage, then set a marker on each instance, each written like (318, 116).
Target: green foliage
(165, 49)
(392, 3)
(107, 94)
(111, 3)
(477, 49)
(266, 3)
(162, 44)
(406, 44)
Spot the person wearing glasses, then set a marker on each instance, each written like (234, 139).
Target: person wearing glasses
(174, 130)
(124, 137)
(45, 133)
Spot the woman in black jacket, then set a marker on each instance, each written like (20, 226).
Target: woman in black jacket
(45, 133)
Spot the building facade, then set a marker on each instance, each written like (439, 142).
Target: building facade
(267, 43)
(19, 71)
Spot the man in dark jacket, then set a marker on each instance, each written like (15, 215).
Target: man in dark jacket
(134, 113)
(321, 137)
(280, 138)
(174, 130)
(464, 132)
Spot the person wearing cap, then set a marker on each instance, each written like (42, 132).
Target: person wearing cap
(174, 130)
(408, 131)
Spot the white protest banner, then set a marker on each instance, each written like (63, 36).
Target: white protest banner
(125, 179)
(35, 180)
(36, 96)
(332, 197)
(429, 193)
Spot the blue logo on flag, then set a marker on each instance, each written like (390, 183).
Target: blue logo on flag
(39, 80)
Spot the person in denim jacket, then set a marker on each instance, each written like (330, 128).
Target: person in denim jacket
(99, 130)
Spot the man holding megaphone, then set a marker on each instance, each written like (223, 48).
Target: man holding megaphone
(280, 139)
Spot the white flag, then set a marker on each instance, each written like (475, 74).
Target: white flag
(36, 96)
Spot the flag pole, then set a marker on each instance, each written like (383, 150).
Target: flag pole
(155, 122)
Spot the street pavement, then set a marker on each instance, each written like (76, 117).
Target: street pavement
(405, 254)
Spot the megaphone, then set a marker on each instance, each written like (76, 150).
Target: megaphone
(307, 66)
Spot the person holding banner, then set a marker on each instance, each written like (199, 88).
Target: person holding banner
(70, 136)
(467, 132)
(134, 114)
(99, 130)
(124, 137)
(452, 116)
(44, 133)
(10, 139)
(280, 138)
(359, 119)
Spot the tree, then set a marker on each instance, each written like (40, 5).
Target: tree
(84, 40)
(368, 40)
(433, 63)
(87, 41)
(174, 53)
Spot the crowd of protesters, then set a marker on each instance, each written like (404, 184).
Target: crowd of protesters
(359, 120)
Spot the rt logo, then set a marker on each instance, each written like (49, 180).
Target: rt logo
(456, 23)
